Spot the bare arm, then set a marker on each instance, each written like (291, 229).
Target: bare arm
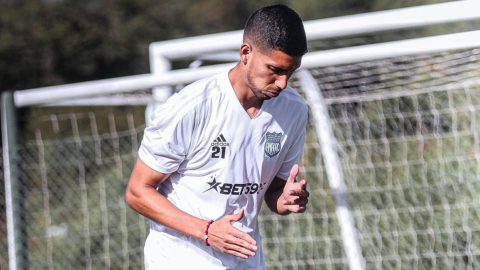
(142, 196)
(284, 197)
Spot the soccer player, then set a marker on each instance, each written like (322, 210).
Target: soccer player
(221, 146)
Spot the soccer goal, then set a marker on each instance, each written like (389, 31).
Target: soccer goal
(392, 154)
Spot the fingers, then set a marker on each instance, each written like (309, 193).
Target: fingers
(239, 250)
(299, 192)
(239, 247)
(296, 195)
(296, 201)
(236, 243)
(293, 174)
(228, 239)
(296, 204)
(243, 238)
(236, 217)
(303, 184)
(297, 208)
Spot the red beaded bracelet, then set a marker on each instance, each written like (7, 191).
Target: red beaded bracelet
(206, 233)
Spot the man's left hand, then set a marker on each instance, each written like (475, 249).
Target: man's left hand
(295, 194)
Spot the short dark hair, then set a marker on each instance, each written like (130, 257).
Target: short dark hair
(277, 27)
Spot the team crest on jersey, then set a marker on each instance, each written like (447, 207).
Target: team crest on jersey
(273, 143)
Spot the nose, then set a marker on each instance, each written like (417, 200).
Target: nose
(281, 82)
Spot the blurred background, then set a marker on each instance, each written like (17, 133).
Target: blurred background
(74, 161)
(52, 42)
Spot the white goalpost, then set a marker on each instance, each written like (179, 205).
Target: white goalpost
(391, 156)
(161, 53)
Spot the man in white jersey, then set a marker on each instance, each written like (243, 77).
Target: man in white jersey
(221, 146)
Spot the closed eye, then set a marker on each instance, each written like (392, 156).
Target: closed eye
(276, 70)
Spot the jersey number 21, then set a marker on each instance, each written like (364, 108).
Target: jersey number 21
(218, 152)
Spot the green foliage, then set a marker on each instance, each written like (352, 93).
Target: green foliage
(45, 43)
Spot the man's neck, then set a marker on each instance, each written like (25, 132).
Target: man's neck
(245, 96)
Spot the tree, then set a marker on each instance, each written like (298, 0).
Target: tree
(45, 43)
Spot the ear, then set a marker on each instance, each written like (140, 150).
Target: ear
(245, 51)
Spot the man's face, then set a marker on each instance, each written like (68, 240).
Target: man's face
(268, 74)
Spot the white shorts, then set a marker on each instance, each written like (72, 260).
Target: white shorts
(165, 252)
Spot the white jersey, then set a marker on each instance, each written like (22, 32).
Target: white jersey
(220, 160)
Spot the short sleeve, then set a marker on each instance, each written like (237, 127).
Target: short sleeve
(166, 142)
(295, 151)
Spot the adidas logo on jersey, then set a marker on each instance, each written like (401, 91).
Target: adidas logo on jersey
(220, 141)
(219, 147)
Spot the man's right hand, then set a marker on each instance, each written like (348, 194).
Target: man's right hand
(228, 239)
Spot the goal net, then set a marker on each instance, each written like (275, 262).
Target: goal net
(407, 138)
(405, 133)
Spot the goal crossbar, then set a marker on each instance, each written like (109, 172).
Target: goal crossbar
(332, 27)
(51, 94)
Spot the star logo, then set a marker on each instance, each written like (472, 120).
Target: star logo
(213, 185)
